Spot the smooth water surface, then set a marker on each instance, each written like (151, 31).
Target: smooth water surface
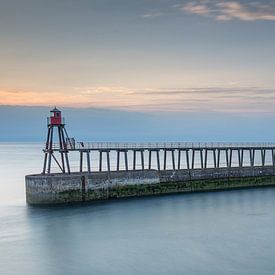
(230, 232)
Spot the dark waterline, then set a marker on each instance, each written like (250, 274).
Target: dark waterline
(230, 232)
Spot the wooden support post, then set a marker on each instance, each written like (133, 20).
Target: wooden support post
(201, 154)
(173, 159)
(179, 156)
(158, 160)
(134, 159)
(118, 160)
(150, 159)
(251, 155)
(88, 162)
(239, 157)
(164, 160)
(214, 158)
(263, 156)
(242, 151)
(100, 161)
(67, 162)
(230, 157)
(219, 156)
(126, 160)
(193, 158)
(142, 159)
(108, 161)
(205, 158)
(81, 161)
(187, 159)
(273, 157)
(227, 158)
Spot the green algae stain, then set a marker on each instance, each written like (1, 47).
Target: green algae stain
(136, 190)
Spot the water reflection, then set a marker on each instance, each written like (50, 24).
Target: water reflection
(159, 234)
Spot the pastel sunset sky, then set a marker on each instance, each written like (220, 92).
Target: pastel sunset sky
(144, 55)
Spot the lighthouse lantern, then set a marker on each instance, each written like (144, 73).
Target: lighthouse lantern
(55, 118)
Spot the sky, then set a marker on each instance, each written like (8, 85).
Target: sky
(201, 57)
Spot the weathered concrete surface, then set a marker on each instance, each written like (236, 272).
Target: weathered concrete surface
(58, 188)
(62, 188)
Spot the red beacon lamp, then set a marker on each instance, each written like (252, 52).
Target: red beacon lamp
(55, 117)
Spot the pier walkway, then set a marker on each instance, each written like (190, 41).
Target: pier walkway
(158, 154)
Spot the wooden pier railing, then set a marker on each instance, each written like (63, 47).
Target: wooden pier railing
(158, 154)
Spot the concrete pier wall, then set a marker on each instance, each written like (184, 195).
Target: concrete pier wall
(76, 187)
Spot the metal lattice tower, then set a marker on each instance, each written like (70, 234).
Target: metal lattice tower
(56, 124)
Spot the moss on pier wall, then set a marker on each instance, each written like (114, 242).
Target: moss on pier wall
(136, 190)
(76, 187)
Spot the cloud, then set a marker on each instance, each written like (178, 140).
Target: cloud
(229, 10)
(234, 99)
(152, 15)
(196, 8)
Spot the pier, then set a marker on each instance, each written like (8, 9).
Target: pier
(183, 155)
(107, 170)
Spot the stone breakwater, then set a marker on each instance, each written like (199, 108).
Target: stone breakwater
(77, 187)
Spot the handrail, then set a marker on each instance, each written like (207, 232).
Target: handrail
(163, 145)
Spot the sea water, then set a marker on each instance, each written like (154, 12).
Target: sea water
(227, 232)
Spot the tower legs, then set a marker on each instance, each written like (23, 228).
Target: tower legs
(64, 163)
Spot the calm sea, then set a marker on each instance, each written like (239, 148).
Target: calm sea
(206, 233)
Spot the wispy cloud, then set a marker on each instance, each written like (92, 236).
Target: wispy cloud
(222, 99)
(152, 15)
(229, 10)
(197, 8)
